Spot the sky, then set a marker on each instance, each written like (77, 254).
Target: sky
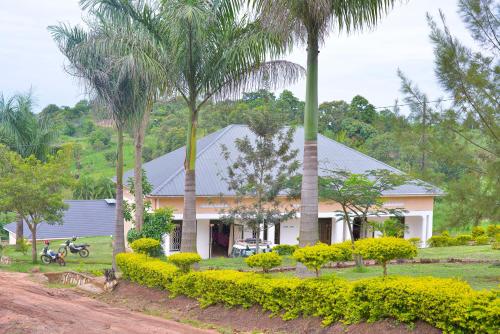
(363, 63)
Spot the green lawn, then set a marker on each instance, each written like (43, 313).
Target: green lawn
(99, 258)
(460, 252)
(478, 275)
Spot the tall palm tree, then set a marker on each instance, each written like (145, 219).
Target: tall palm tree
(118, 79)
(309, 22)
(213, 52)
(25, 133)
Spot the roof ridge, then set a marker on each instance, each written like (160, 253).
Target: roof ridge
(198, 154)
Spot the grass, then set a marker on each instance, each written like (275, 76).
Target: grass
(460, 252)
(100, 257)
(236, 263)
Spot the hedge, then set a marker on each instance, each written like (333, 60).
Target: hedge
(447, 304)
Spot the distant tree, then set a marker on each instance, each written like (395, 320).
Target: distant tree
(88, 187)
(34, 190)
(261, 175)
(25, 133)
(363, 110)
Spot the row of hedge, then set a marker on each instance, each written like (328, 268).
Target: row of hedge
(448, 304)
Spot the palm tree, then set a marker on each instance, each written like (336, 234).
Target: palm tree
(309, 22)
(213, 52)
(118, 80)
(25, 133)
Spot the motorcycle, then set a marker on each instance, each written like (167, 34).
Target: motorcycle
(73, 248)
(48, 256)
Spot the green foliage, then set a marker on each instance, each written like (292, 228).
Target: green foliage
(133, 235)
(184, 261)
(463, 239)
(157, 223)
(391, 227)
(23, 246)
(315, 257)
(148, 246)
(385, 249)
(492, 230)
(482, 240)
(478, 231)
(285, 249)
(147, 187)
(265, 261)
(415, 241)
(100, 139)
(94, 188)
(146, 271)
(34, 190)
(439, 241)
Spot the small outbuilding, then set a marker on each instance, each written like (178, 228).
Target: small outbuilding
(83, 218)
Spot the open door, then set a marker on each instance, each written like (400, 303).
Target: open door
(325, 230)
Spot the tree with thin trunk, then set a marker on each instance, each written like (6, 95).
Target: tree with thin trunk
(309, 22)
(261, 175)
(25, 133)
(213, 52)
(33, 189)
(119, 78)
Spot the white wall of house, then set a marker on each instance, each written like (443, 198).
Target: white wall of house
(289, 232)
(203, 238)
(12, 238)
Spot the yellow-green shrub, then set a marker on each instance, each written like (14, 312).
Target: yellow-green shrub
(493, 230)
(344, 251)
(285, 249)
(385, 249)
(184, 261)
(463, 239)
(146, 246)
(415, 241)
(447, 304)
(265, 261)
(482, 240)
(146, 271)
(477, 231)
(439, 241)
(314, 257)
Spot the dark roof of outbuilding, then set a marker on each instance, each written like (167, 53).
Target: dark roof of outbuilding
(166, 173)
(83, 218)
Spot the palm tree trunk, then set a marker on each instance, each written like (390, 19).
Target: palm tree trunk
(138, 194)
(119, 240)
(188, 240)
(309, 194)
(19, 232)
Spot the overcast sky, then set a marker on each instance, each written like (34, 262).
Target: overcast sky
(364, 63)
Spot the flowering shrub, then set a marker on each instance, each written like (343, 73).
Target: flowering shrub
(265, 261)
(184, 261)
(385, 249)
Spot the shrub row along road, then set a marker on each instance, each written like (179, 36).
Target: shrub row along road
(30, 307)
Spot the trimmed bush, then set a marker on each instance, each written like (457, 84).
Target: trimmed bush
(448, 304)
(415, 241)
(150, 272)
(285, 250)
(477, 231)
(344, 251)
(482, 240)
(493, 230)
(439, 241)
(385, 249)
(463, 239)
(133, 235)
(314, 257)
(184, 261)
(148, 246)
(265, 261)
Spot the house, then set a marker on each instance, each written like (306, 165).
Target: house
(83, 218)
(166, 174)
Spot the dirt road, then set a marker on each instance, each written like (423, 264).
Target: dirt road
(30, 307)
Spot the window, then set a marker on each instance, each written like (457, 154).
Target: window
(176, 236)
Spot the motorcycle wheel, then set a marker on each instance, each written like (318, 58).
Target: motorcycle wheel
(84, 252)
(63, 250)
(45, 259)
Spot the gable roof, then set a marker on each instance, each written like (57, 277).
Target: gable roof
(166, 173)
(83, 218)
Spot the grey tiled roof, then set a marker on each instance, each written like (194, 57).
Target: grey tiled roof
(166, 173)
(83, 218)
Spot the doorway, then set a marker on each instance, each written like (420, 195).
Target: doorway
(356, 228)
(325, 230)
(219, 238)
